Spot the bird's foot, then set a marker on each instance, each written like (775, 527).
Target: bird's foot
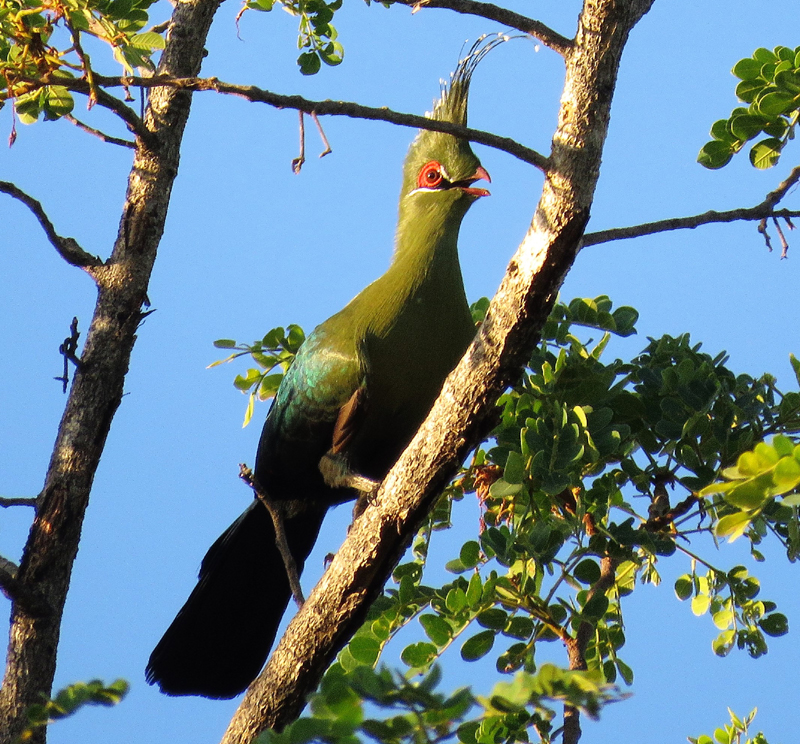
(336, 473)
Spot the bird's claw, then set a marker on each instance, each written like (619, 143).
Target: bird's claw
(337, 474)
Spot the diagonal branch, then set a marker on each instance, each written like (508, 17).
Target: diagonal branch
(537, 29)
(126, 113)
(97, 133)
(67, 248)
(759, 212)
(463, 411)
(320, 108)
(774, 197)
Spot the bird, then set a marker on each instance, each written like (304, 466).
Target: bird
(359, 388)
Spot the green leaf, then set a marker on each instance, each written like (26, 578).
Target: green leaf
(478, 646)
(700, 604)
(684, 586)
(470, 554)
(715, 155)
(747, 69)
(747, 126)
(419, 655)
(309, 63)
(766, 153)
(774, 625)
(587, 571)
(493, 618)
(776, 103)
(732, 526)
(437, 629)
(225, 343)
(365, 649)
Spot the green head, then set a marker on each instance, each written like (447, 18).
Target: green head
(440, 169)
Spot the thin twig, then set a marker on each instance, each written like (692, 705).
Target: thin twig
(67, 350)
(88, 74)
(327, 150)
(321, 108)
(784, 243)
(758, 212)
(281, 541)
(774, 197)
(297, 163)
(5, 501)
(97, 133)
(538, 30)
(67, 248)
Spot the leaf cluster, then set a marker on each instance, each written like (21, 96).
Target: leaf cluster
(43, 41)
(317, 36)
(733, 733)
(276, 350)
(731, 599)
(575, 486)
(70, 700)
(770, 84)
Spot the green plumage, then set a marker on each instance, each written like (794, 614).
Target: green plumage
(360, 386)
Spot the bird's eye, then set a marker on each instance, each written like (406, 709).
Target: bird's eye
(430, 176)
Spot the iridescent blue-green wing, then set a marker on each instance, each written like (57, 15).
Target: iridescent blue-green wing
(302, 423)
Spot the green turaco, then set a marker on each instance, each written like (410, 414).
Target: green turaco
(359, 388)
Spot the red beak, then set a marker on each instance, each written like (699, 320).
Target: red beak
(479, 175)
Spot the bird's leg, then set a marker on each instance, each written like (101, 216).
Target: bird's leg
(336, 473)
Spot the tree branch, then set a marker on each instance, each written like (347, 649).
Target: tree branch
(774, 197)
(576, 647)
(759, 212)
(463, 411)
(67, 248)
(97, 133)
(98, 384)
(30, 602)
(537, 29)
(320, 108)
(5, 501)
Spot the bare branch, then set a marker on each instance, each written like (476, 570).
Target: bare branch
(24, 598)
(759, 212)
(127, 114)
(320, 108)
(67, 248)
(537, 29)
(275, 511)
(68, 350)
(774, 197)
(97, 133)
(576, 647)
(327, 150)
(297, 163)
(5, 502)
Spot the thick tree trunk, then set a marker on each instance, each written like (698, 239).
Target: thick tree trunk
(376, 541)
(98, 385)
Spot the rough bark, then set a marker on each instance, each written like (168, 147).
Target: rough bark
(462, 413)
(97, 388)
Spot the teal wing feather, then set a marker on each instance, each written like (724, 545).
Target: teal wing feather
(299, 429)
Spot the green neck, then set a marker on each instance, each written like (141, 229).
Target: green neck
(425, 264)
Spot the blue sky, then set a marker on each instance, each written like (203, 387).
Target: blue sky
(249, 245)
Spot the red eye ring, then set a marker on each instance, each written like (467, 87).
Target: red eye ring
(430, 175)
